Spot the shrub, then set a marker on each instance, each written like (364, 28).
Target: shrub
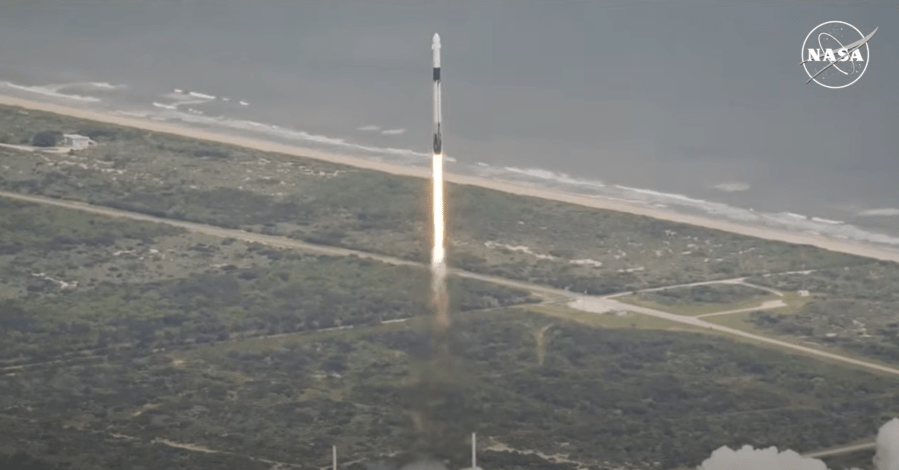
(46, 139)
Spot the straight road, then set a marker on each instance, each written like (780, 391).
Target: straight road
(604, 303)
(597, 304)
(765, 305)
(841, 450)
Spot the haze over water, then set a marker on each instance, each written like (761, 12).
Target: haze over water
(696, 98)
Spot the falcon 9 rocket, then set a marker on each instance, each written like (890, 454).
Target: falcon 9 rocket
(438, 252)
(438, 140)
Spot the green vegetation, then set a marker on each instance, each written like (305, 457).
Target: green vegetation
(281, 292)
(51, 447)
(607, 396)
(47, 139)
(721, 294)
(30, 226)
(562, 245)
(698, 300)
(852, 308)
(23, 461)
(294, 294)
(132, 339)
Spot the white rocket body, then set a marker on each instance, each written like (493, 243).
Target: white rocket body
(438, 253)
(438, 139)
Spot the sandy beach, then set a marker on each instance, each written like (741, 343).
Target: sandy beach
(598, 203)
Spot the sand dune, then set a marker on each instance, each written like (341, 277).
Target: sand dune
(599, 203)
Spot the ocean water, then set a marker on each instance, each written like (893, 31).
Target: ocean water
(691, 105)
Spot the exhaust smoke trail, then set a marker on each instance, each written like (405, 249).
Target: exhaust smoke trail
(438, 253)
(438, 266)
(748, 458)
(440, 413)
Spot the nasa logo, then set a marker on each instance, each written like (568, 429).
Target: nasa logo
(835, 54)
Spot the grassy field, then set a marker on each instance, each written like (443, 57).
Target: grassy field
(696, 309)
(77, 281)
(609, 396)
(490, 232)
(116, 328)
(852, 308)
(703, 299)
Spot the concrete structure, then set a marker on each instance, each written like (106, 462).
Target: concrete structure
(76, 141)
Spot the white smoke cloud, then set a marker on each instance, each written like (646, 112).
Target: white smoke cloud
(747, 458)
(424, 465)
(887, 457)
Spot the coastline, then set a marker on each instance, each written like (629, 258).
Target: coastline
(423, 172)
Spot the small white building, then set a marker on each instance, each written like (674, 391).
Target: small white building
(76, 141)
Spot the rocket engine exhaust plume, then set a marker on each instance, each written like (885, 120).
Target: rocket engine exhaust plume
(441, 415)
(438, 252)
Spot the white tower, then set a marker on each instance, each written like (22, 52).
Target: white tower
(474, 453)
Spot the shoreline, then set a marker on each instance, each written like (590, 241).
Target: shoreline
(511, 188)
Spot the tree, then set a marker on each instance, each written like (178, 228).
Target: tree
(46, 139)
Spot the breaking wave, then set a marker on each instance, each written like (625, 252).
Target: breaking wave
(553, 177)
(651, 198)
(885, 212)
(95, 86)
(52, 91)
(731, 187)
(291, 135)
(201, 95)
(192, 108)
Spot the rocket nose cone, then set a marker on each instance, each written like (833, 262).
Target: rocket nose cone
(436, 38)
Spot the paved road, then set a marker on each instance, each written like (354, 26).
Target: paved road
(597, 304)
(736, 280)
(607, 302)
(765, 305)
(274, 241)
(841, 450)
